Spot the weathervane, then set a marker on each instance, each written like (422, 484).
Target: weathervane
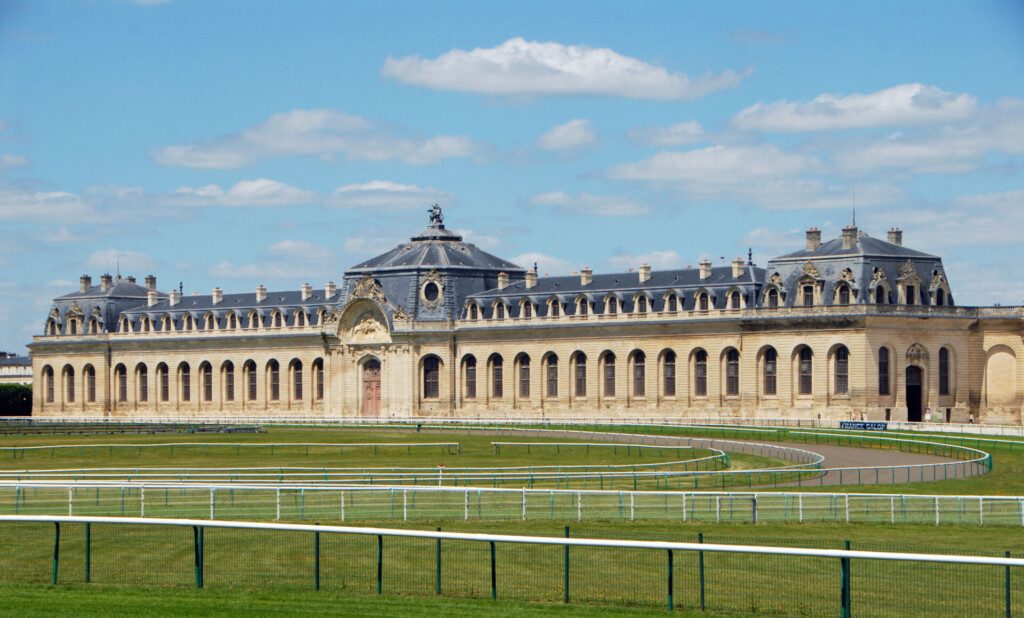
(436, 218)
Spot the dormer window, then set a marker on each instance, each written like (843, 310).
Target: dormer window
(808, 295)
(165, 323)
(879, 295)
(94, 326)
(499, 311)
(773, 298)
(582, 306)
(734, 300)
(844, 295)
(254, 320)
(72, 326)
(186, 323)
(911, 295)
(702, 301)
(126, 326)
(277, 319)
(208, 322)
(641, 304)
(613, 306)
(527, 310)
(474, 311)
(145, 324)
(300, 318)
(673, 303)
(555, 308)
(232, 321)
(940, 296)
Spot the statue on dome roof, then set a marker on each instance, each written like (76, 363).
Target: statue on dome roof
(436, 218)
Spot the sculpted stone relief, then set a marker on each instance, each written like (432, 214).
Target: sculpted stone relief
(369, 330)
(917, 354)
(810, 270)
(907, 271)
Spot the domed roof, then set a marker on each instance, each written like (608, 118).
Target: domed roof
(436, 248)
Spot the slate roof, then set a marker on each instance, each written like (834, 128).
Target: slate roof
(16, 361)
(866, 246)
(435, 248)
(119, 288)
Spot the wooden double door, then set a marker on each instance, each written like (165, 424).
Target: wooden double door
(371, 388)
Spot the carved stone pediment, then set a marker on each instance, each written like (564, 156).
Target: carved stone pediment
(96, 313)
(54, 313)
(775, 279)
(368, 329)
(878, 276)
(847, 275)
(810, 270)
(907, 271)
(917, 354)
(75, 308)
(367, 287)
(938, 280)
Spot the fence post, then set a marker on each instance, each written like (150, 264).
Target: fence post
(70, 498)
(380, 563)
(671, 576)
(405, 505)
(212, 490)
(1006, 585)
(142, 501)
(494, 574)
(343, 505)
(437, 562)
(277, 495)
(565, 569)
(845, 583)
(197, 540)
(700, 569)
(88, 552)
(316, 560)
(753, 508)
(56, 551)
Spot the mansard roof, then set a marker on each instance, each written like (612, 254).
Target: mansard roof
(237, 302)
(119, 288)
(435, 248)
(15, 361)
(866, 246)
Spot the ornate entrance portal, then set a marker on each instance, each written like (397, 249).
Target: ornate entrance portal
(914, 393)
(371, 388)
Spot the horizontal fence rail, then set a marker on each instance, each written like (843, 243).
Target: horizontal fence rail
(714, 576)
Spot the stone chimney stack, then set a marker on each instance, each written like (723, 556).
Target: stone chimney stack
(174, 298)
(849, 236)
(705, 269)
(261, 293)
(645, 272)
(151, 298)
(738, 267)
(329, 290)
(306, 291)
(813, 239)
(586, 276)
(531, 278)
(502, 281)
(105, 281)
(896, 236)
(218, 295)
(131, 278)
(84, 283)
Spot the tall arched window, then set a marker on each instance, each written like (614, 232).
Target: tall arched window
(555, 308)
(232, 321)
(524, 376)
(641, 304)
(552, 376)
(732, 372)
(48, 383)
(295, 368)
(734, 300)
(700, 374)
(186, 322)
(805, 371)
(254, 319)
(89, 373)
(580, 374)
(943, 371)
(582, 306)
(121, 383)
(300, 318)
(274, 379)
(250, 380)
(206, 375)
(229, 380)
(69, 383)
(673, 303)
(497, 377)
(702, 302)
(883, 371)
(771, 372)
(527, 309)
(842, 370)
(844, 295)
(163, 382)
(431, 377)
(318, 379)
(470, 364)
(474, 311)
(773, 298)
(142, 376)
(639, 374)
(613, 305)
(609, 374)
(669, 373)
(277, 319)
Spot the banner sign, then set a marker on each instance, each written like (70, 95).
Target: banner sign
(864, 425)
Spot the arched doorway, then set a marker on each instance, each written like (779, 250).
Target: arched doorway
(914, 393)
(371, 388)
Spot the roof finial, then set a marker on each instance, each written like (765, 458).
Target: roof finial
(436, 217)
(750, 256)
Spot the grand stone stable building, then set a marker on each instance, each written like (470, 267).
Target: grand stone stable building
(855, 327)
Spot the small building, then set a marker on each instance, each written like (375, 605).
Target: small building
(15, 369)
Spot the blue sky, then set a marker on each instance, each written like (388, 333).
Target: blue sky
(238, 143)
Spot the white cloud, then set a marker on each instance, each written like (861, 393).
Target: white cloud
(976, 220)
(369, 244)
(313, 132)
(8, 161)
(527, 68)
(487, 242)
(673, 135)
(112, 259)
(258, 192)
(300, 249)
(384, 195)
(900, 105)
(547, 266)
(589, 204)
(284, 259)
(572, 135)
(716, 164)
(663, 260)
(41, 206)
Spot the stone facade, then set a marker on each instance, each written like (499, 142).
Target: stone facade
(439, 328)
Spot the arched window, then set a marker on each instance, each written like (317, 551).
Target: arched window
(474, 311)
(641, 304)
(274, 378)
(844, 295)
(499, 311)
(700, 374)
(497, 377)
(524, 376)
(669, 373)
(186, 322)
(48, 383)
(185, 381)
(142, 376)
(278, 319)
(552, 375)
(842, 369)
(72, 326)
(94, 326)
(209, 322)
(673, 303)
(250, 380)
(121, 383)
(808, 295)
(206, 375)
(232, 321)
(470, 364)
(883, 371)
(773, 298)
(166, 324)
(318, 379)
(639, 374)
(69, 383)
(609, 375)
(145, 323)
(254, 319)
(879, 295)
(940, 296)
(734, 300)
(805, 371)
(555, 307)
(89, 373)
(126, 326)
(732, 372)
(295, 368)
(771, 371)
(163, 382)
(431, 377)
(702, 301)
(527, 309)
(300, 318)
(613, 305)
(943, 371)
(51, 327)
(582, 306)
(580, 374)
(228, 369)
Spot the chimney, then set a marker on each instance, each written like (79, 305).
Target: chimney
(151, 282)
(105, 281)
(84, 283)
(849, 236)
(531, 278)
(645, 272)
(175, 298)
(306, 290)
(705, 269)
(261, 293)
(896, 236)
(329, 290)
(151, 298)
(131, 279)
(813, 239)
(738, 267)
(218, 295)
(502, 281)
(586, 275)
